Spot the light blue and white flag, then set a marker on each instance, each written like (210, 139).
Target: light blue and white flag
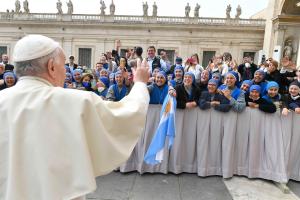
(166, 128)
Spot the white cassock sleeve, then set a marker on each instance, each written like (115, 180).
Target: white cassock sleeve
(55, 141)
(112, 136)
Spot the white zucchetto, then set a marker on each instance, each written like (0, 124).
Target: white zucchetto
(33, 46)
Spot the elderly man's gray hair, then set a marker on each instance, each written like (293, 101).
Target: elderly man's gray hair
(36, 66)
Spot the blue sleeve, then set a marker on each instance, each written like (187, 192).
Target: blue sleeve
(240, 104)
(293, 106)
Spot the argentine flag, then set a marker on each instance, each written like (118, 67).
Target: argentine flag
(166, 128)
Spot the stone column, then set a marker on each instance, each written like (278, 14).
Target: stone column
(98, 51)
(298, 54)
(67, 46)
(272, 12)
(279, 36)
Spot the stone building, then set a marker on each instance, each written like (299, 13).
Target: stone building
(87, 36)
(282, 25)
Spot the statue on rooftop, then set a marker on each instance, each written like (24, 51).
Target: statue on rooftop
(187, 10)
(70, 7)
(26, 6)
(228, 10)
(59, 7)
(17, 6)
(112, 8)
(238, 12)
(145, 9)
(154, 13)
(103, 7)
(196, 11)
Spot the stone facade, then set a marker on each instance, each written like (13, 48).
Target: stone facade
(183, 36)
(282, 24)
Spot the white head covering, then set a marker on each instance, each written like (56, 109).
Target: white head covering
(33, 46)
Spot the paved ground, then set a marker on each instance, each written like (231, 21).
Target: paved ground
(133, 186)
(295, 187)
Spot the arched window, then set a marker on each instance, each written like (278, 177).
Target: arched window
(291, 7)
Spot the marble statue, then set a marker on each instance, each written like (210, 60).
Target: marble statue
(288, 49)
(238, 12)
(59, 7)
(228, 10)
(103, 7)
(70, 7)
(26, 6)
(112, 8)
(154, 13)
(196, 11)
(145, 9)
(17, 6)
(187, 10)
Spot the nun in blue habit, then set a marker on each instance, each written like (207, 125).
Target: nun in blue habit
(77, 75)
(213, 99)
(273, 94)
(158, 90)
(68, 80)
(187, 94)
(117, 91)
(245, 86)
(178, 75)
(102, 87)
(10, 79)
(232, 92)
(259, 79)
(253, 100)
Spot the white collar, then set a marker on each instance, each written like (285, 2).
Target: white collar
(254, 99)
(34, 78)
(296, 97)
(150, 59)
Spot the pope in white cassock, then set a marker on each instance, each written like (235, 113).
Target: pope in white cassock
(55, 141)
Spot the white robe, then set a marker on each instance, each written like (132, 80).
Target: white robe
(55, 141)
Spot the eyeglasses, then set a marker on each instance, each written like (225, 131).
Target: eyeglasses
(160, 78)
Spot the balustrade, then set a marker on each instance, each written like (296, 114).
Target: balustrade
(129, 19)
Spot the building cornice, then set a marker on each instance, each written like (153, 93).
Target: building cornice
(288, 19)
(124, 20)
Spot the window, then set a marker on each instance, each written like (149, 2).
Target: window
(207, 55)
(170, 54)
(85, 57)
(3, 50)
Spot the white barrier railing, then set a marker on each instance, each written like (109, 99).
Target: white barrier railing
(208, 142)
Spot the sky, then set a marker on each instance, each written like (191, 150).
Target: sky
(209, 8)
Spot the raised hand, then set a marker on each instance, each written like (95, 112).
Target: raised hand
(141, 73)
